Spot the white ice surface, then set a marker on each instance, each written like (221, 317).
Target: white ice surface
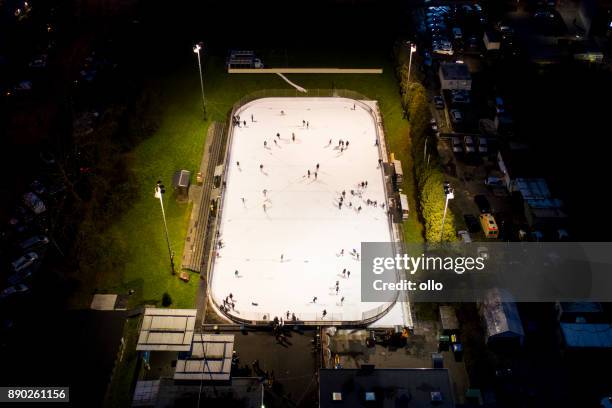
(302, 220)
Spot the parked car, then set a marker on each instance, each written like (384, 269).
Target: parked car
(34, 203)
(13, 290)
(495, 181)
(482, 203)
(40, 61)
(499, 105)
(34, 242)
(460, 98)
(438, 101)
(472, 223)
(456, 116)
(465, 236)
(457, 144)
(19, 277)
(483, 145)
(470, 147)
(25, 261)
(427, 60)
(433, 125)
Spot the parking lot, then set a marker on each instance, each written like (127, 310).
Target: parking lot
(460, 38)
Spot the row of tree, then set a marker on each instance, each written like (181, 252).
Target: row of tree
(427, 167)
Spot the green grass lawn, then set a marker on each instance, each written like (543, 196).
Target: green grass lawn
(135, 240)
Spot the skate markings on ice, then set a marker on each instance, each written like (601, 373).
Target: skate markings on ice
(302, 218)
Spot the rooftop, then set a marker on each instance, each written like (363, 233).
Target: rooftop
(166, 329)
(414, 387)
(587, 335)
(455, 71)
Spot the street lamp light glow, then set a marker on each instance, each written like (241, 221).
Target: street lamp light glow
(196, 49)
(412, 50)
(159, 194)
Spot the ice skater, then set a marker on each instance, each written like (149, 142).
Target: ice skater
(303, 123)
(236, 273)
(337, 289)
(264, 207)
(337, 283)
(342, 252)
(344, 273)
(375, 142)
(243, 200)
(293, 137)
(282, 113)
(314, 299)
(329, 143)
(261, 167)
(275, 142)
(379, 163)
(278, 136)
(340, 205)
(265, 192)
(316, 174)
(353, 106)
(244, 123)
(307, 124)
(346, 144)
(343, 193)
(317, 166)
(238, 164)
(324, 313)
(342, 301)
(308, 173)
(265, 144)
(252, 120)
(282, 257)
(287, 315)
(348, 274)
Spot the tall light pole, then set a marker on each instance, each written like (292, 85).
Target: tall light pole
(448, 192)
(412, 50)
(196, 49)
(159, 193)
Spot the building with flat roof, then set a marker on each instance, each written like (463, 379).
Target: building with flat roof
(166, 330)
(371, 387)
(455, 76)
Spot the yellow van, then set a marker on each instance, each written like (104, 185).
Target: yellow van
(489, 226)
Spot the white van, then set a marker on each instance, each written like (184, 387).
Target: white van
(404, 205)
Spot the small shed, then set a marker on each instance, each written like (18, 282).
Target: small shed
(181, 182)
(399, 173)
(449, 320)
(455, 76)
(492, 40)
(501, 318)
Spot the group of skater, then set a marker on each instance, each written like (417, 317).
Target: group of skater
(357, 193)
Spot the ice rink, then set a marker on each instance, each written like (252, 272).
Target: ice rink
(284, 231)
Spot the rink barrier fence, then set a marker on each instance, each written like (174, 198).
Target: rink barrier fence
(304, 70)
(310, 319)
